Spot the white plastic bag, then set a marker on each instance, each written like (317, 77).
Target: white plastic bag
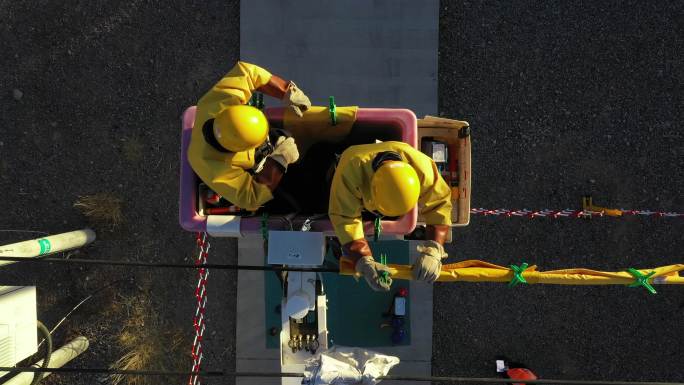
(342, 365)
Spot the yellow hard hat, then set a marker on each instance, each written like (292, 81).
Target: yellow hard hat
(240, 128)
(395, 188)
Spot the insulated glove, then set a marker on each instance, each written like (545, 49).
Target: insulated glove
(285, 152)
(372, 272)
(429, 264)
(295, 99)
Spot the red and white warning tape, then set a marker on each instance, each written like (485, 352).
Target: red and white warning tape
(567, 213)
(201, 296)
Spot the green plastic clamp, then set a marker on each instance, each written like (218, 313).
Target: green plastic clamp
(264, 226)
(333, 111)
(377, 228)
(517, 274)
(384, 275)
(641, 280)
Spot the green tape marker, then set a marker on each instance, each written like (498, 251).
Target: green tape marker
(518, 274)
(333, 111)
(45, 246)
(377, 228)
(641, 280)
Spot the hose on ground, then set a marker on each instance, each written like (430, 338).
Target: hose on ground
(48, 352)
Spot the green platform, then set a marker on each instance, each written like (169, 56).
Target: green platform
(354, 310)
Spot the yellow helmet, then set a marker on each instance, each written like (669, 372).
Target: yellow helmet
(240, 128)
(395, 188)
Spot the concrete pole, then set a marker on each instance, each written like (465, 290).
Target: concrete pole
(47, 245)
(58, 359)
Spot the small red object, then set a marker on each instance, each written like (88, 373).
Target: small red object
(221, 210)
(212, 197)
(403, 292)
(520, 374)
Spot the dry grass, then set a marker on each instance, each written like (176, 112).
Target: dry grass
(149, 343)
(102, 208)
(133, 150)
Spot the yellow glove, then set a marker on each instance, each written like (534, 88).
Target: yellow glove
(372, 272)
(429, 264)
(285, 151)
(295, 99)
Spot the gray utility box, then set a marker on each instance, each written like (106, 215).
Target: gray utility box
(296, 248)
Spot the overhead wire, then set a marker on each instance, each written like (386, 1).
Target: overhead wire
(216, 266)
(448, 379)
(220, 373)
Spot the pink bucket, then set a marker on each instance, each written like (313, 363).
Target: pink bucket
(401, 122)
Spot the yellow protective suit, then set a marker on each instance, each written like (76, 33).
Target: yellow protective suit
(480, 271)
(350, 191)
(226, 173)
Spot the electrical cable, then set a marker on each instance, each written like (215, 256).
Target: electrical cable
(220, 373)
(453, 379)
(25, 231)
(98, 291)
(48, 352)
(109, 262)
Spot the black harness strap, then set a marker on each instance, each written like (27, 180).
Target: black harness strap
(208, 132)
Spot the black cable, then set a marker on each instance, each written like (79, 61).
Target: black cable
(48, 352)
(511, 381)
(109, 262)
(219, 373)
(86, 299)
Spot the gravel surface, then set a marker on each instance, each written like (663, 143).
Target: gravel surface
(564, 99)
(91, 94)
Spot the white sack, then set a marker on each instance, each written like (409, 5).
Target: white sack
(342, 365)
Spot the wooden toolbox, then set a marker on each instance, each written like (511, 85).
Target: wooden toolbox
(456, 135)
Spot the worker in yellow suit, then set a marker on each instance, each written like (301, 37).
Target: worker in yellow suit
(226, 133)
(389, 179)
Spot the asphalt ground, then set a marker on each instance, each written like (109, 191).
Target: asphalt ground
(564, 98)
(104, 85)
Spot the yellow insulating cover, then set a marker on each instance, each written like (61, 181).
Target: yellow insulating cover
(480, 271)
(226, 173)
(350, 192)
(316, 126)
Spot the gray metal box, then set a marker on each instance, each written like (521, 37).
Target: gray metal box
(296, 248)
